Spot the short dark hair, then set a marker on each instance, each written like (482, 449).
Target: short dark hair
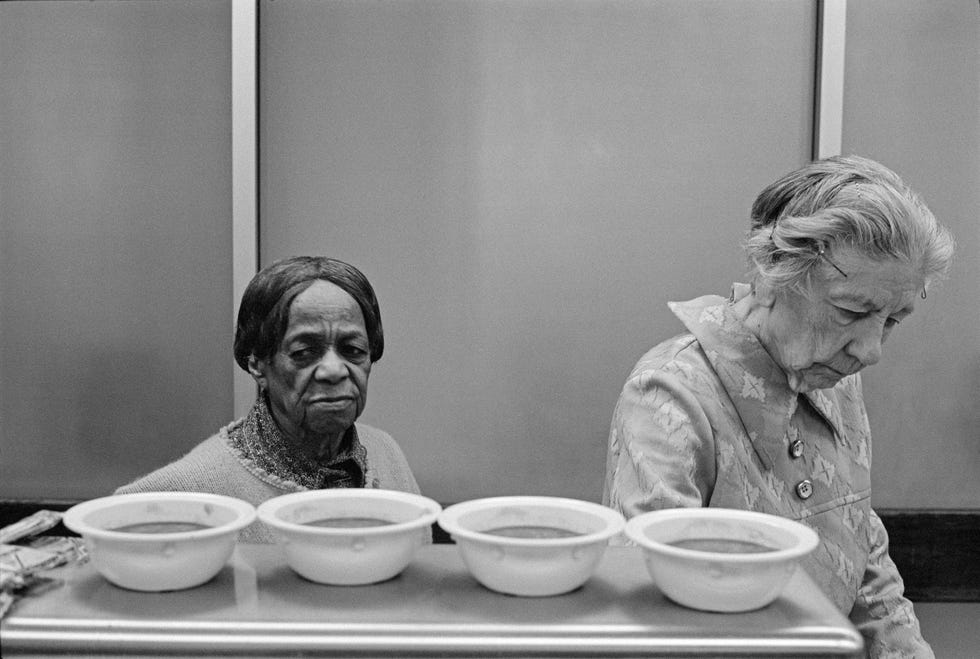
(264, 311)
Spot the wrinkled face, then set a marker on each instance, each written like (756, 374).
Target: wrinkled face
(317, 379)
(840, 327)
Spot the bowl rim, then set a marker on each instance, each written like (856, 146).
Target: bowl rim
(266, 511)
(449, 520)
(74, 517)
(807, 538)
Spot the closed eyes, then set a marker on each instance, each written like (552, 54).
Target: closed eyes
(850, 316)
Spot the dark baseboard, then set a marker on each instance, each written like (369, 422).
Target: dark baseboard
(13, 510)
(937, 551)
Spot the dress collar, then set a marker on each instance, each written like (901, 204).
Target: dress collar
(757, 386)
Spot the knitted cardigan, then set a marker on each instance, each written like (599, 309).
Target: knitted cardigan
(215, 466)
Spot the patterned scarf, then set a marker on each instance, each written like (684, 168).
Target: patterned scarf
(259, 440)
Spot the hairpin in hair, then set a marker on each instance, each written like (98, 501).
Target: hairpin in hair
(822, 252)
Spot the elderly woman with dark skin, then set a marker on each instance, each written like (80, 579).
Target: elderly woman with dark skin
(309, 330)
(759, 405)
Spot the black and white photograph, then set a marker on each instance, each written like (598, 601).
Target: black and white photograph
(528, 329)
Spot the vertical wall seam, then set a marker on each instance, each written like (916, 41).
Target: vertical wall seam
(829, 94)
(244, 172)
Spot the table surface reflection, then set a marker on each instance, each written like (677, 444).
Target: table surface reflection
(258, 607)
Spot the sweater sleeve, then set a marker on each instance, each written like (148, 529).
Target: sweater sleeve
(211, 467)
(197, 471)
(387, 467)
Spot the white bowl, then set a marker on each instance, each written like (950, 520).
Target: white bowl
(531, 566)
(398, 523)
(158, 560)
(717, 577)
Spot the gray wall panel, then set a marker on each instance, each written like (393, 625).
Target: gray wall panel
(526, 184)
(115, 234)
(912, 100)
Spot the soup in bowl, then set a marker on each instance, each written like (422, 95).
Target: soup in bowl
(531, 546)
(719, 559)
(156, 541)
(350, 537)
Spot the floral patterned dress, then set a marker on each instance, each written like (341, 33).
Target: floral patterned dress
(708, 419)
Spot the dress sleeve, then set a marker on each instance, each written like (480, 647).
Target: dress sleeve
(661, 448)
(881, 612)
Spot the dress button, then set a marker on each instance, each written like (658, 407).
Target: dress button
(804, 489)
(796, 448)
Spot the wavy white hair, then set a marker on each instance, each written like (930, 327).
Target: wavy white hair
(842, 201)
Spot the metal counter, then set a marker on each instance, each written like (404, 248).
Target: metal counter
(258, 607)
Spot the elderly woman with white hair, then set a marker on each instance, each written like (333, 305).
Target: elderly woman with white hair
(759, 405)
